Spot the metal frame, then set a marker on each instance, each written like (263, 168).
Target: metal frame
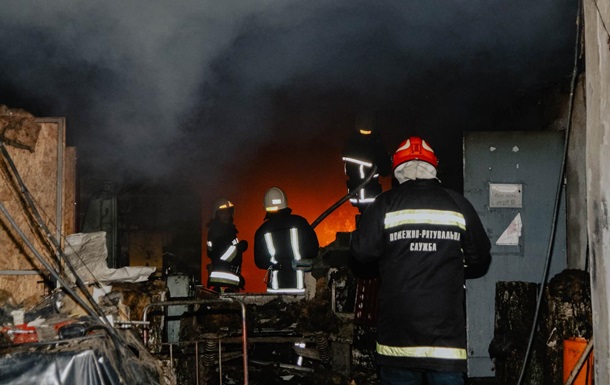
(203, 302)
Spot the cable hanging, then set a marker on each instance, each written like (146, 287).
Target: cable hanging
(558, 194)
(93, 308)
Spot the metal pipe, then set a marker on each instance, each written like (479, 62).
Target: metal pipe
(203, 302)
(95, 307)
(244, 340)
(21, 272)
(44, 262)
(197, 363)
(219, 361)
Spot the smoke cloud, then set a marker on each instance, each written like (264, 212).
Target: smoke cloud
(174, 89)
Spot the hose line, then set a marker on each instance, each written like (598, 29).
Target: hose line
(343, 199)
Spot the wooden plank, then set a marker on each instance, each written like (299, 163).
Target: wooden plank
(70, 197)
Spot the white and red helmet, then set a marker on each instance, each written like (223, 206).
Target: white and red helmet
(414, 148)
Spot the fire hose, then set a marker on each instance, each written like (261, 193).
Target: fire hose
(343, 199)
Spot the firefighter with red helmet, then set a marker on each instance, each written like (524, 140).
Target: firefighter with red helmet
(362, 151)
(224, 249)
(284, 245)
(421, 235)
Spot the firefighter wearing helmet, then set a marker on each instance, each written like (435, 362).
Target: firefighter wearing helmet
(361, 153)
(422, 236)
(284, 245)
(224, 249)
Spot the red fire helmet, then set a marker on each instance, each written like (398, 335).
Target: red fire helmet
(414, 148)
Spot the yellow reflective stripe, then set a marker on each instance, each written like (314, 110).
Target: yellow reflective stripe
(433, 217)
(422, 352)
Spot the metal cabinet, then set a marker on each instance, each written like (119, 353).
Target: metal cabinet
(511, 178)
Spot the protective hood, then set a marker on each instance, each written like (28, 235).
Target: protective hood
(414, 169)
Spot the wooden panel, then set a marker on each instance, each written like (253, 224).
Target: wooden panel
(39, 170)
(23, 287)
(69, 203)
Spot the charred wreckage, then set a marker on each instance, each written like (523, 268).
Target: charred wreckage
(66, 317)
(69, 318)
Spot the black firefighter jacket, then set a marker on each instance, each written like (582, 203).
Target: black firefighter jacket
(286, 245)
(225, 252)
(421, 235)
(360, 153)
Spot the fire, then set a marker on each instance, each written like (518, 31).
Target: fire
(311, 187)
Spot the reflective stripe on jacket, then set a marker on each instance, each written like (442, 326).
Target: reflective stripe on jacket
(224, 254)
(282, 239)
(421, 235)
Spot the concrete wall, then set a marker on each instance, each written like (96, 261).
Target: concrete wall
(576, 183)
(597, 56)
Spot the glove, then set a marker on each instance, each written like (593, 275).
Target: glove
(303, 265)
(242, 246)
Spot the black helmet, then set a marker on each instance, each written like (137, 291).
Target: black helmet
(365, 125)
(221, 204)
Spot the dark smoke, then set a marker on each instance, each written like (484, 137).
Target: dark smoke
(182, 90)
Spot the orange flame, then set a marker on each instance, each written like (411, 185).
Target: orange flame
(311, 188)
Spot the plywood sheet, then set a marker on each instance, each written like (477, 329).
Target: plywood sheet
(42, 171)
(70, 197)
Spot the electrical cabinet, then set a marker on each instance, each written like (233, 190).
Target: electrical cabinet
(512, 180)
(180, 287)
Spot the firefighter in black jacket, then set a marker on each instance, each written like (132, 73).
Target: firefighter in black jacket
(422, 235)
(361, 152)
(284, 245)
(224, 249)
